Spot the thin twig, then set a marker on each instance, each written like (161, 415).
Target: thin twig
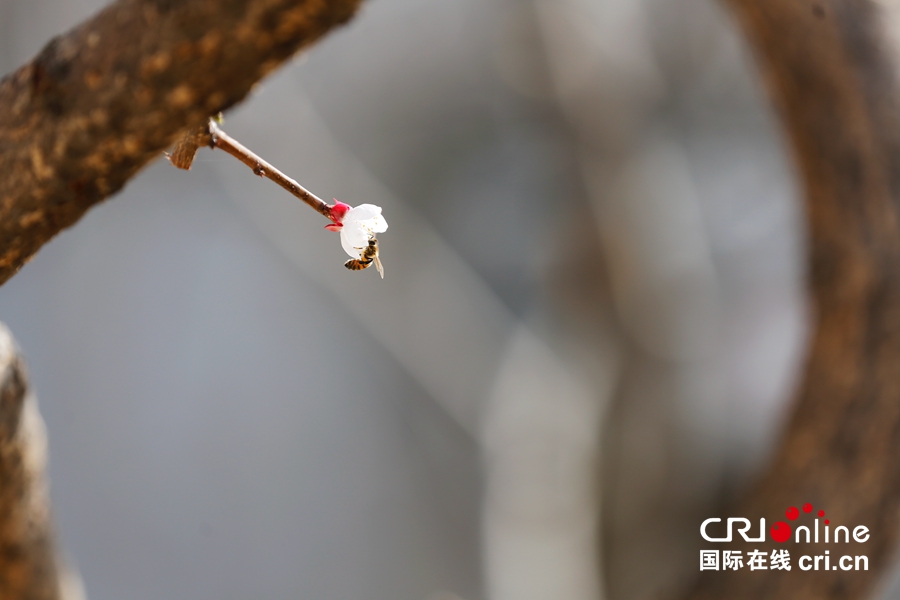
(212, 135)
(220, 139)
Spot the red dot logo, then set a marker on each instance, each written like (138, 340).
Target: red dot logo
(792, 513)
(821, 513)
(780, 532)
(807, 508)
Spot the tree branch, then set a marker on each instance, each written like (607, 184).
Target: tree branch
(833, 77)
(28, 563)
(103, 100)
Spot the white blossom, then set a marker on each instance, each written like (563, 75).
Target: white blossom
(359, 224)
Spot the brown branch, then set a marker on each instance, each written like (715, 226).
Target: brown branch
(28, 564)
(100, 102)
(212, 135)
(834, 79)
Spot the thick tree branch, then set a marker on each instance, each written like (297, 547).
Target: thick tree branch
(28, 565)
(103, 100)
(833, 77)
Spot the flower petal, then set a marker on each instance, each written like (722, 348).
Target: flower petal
(359, 224)
(348, 247)
(363, 212)
(357, 235)
(377, 224)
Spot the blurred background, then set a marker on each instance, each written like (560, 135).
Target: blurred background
(592, 318)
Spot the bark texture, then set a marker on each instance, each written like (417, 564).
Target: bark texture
(103, 100)
(832, 75)
(28, 566)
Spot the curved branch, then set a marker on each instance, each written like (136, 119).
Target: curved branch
(830, 74)
(103, 100)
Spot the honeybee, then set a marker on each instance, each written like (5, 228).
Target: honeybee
(368, 256)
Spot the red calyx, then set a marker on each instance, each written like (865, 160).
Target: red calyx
(337, 215)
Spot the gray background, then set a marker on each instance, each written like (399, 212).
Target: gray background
(593, 305)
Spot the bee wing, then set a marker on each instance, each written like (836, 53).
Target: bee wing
(379, 266)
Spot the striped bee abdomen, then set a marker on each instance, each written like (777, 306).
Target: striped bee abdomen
(357, 265)
(367, 255)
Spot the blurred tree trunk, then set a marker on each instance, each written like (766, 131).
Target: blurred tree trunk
(28, 566)
(832, 71)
